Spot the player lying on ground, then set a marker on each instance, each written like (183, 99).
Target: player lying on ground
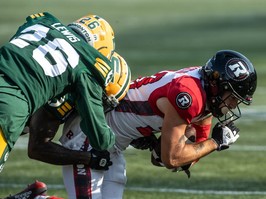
(167, 102)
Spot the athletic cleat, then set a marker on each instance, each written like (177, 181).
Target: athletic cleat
(33, 190)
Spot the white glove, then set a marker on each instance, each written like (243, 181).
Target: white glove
(225, 135)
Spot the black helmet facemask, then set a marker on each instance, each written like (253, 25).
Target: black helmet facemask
(222, 111)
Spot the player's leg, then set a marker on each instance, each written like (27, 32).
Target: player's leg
(4, 150)
(115, 178)
(82, 182)
(14, 113)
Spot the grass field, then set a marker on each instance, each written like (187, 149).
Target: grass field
(153, 35)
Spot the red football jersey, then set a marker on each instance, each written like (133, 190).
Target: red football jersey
(137, 114)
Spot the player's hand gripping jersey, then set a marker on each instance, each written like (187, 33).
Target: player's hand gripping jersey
(46, 59)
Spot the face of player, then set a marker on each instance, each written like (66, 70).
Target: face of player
(229, 102)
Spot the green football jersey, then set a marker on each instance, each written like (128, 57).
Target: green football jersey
(46, 60)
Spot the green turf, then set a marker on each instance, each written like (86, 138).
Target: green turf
(154, 35)
(239, 169)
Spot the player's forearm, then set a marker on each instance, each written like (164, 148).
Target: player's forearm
(56, 154)
(177, 157)
(202, 149)
(90, 108)
(100, 135)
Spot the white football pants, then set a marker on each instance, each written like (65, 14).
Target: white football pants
(81, 182)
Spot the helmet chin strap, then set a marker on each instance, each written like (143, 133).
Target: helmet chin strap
(109, 102)
(214, 107)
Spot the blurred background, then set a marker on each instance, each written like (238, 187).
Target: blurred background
(154, 35)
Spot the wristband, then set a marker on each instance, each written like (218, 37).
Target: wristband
(202, 132)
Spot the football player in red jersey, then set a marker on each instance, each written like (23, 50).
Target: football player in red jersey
(167, 102)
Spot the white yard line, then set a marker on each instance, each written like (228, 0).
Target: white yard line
(250, 114)
(194, 191)
(250, 148)
(160, 190)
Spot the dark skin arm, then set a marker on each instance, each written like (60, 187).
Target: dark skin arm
(43, 127)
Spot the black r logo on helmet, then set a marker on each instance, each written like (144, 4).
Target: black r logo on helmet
(236, 69)
(183, 100)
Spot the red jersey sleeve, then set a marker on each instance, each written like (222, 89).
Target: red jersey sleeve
(187, 96)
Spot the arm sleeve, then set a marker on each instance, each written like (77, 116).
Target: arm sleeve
(90, 108)
(202, 132)
(187, 98)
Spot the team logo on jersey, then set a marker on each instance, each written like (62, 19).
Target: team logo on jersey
(183, 100)
(236, 69)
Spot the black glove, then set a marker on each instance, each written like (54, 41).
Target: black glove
(184, 168)
(156, 154)
(143, 143)
(100, 160)
(225, 135)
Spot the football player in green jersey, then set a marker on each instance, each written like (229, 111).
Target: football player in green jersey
(46, 59)
(46, 120)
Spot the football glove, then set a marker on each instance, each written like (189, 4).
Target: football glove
(225, 135)
(184, 168)
(146, 142)
(156, 154)
(100, 160)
